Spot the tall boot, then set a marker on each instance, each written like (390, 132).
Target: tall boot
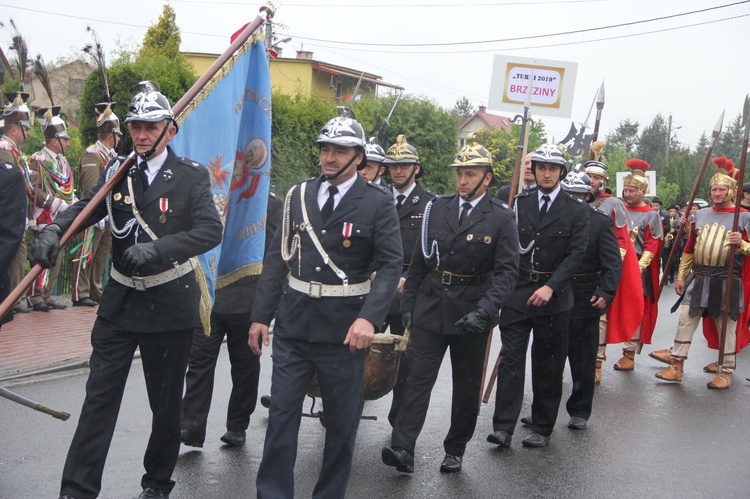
(627, 362)
(673, 372)
(598, 372)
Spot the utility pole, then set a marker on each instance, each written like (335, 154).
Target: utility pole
(669, 140)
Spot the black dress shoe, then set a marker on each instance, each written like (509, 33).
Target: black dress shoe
(500, 437)
(265, 401)
(57, 305)
(577, 423)
(400, 458)
(191, 438)
(85, 302)
(234, 438)
(451, 463)
(41, 307)
(152, 493)
(535, 440)
(527, 421)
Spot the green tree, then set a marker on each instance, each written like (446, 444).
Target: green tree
(729, 143)
(164, 36)
(624, 136)
(652, 142)
(463, 108)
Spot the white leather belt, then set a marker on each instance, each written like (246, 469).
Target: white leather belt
(149, 281)
(317, 290)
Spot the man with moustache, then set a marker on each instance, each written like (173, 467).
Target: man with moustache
(529, 181)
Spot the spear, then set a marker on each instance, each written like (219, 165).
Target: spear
(681, 230)
(599, 107)
(733, 248)
(266, 12)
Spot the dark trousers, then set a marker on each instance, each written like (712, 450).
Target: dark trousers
(467, 361)
(548, 353)
(199, 380)
(583, 340)
(394, 322)
(340, 376)
(164, 357)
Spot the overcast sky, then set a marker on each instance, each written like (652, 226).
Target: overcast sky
(690, 66)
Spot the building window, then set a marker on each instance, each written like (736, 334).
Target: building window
(75, 87)
(339, 90)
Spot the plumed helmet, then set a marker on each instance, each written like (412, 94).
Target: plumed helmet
(374, 151)
(577, 182)
(51, 123)
(597, 168)
(342, 131)
(550, 153)
(402, 152)
(17, 112)
(473, 154)
(149, 105)
(724, 170)
(106, 119)
(637, 177)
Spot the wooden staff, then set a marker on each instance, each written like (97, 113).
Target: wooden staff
(266, 12)
(733, 248)
(14, 397)
(714, 136)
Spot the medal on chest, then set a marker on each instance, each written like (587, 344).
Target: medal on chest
(347, 232)
(163, 207)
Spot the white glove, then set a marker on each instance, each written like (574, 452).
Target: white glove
(58, 206)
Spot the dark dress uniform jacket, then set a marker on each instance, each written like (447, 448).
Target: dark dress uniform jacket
(410, 217)
(192, 227)
(13, 203)
(559, 244)
(374, 237)
(486, 243)
(602, 256)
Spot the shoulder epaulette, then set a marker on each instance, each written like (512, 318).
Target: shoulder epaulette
(92, 149)
(574, 198)
(188, 162)
(497, 202)
(6, 166)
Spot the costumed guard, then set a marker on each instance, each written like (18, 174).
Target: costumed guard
(404, 168)
(463, 268)
(52, 195)
(16, 129)
(707, 255)
(624, 313)
(97, 240)
(647, 236)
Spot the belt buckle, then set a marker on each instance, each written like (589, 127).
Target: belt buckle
(446, 278)
(315, 290)
(139, 283)
(533, 276)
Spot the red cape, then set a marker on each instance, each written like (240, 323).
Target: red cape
(625, 312)
(650, 307)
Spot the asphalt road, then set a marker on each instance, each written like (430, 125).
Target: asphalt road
(646, 438)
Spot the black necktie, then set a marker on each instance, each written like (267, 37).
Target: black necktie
(328, 206)
(545, 206)
(399, 201)
(144, 176)
(464, 212)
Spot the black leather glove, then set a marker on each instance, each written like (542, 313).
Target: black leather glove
(137, 256)
(475, 322)
(406, 320)
(46, 247)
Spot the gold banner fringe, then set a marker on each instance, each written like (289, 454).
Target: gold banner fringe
(237, 274)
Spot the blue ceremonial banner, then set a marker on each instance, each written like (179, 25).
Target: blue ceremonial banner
(228, 129)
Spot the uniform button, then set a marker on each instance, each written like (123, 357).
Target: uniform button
(317, 269)
(453, 252)
(537, 233)
(323, 232)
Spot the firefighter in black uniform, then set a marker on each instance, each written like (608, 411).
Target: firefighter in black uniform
(553, 228)
(327, 309)
(410, 198)
(463, 268)
(161, 215)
